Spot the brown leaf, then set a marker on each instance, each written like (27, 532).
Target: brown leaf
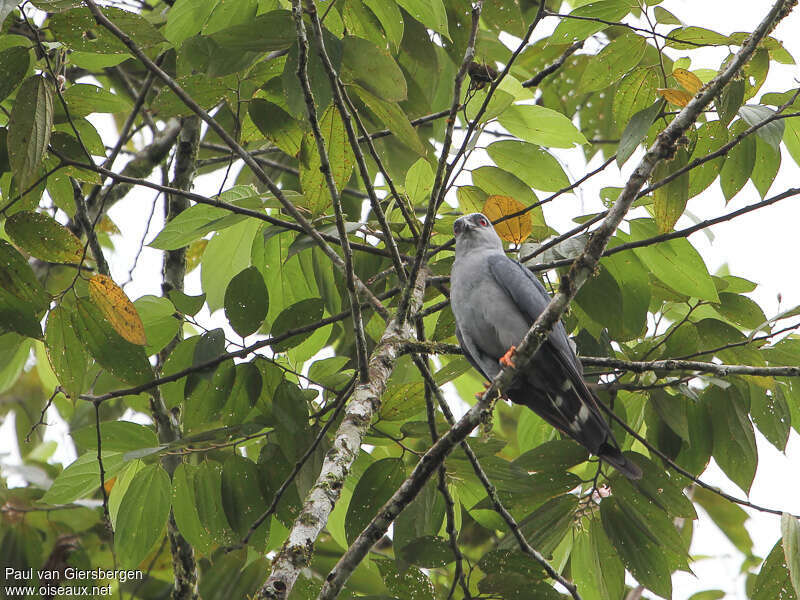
(687, 80)
(117, 308)
(516, 229)
(674, 96)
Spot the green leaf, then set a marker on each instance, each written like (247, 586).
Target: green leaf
(730, 100)
(317, 75)
(419, 182)
(569, 30)
(689, 38)
(185, 19)
(185, 304)
(772, 415)
(243, 500)
(739, 163)
(765, 169)
(675, 262)
(29, 127)
(373, 69)
(142, 515)
(205, 395)
(774, 581)
(428, 551)
(317, 197)
(422, 518)
(772, 132)
(117, 436)
(14, 63)
(17, 279)
(512, 574)
(185, 509)
(246, 389)
(711, 137)
(618, 57)
(791, 137)
(596, 568)
(159, 320)
(123, 359)
(375, 487)
(305, 312)
(394, 118)
(547, 525)
(277, 125)
(640, 553)
(412, 583)
(82, 477)
(227, 253)
(403, 401)
(734, 439)
(430, 13)
(541, 125)
(78, 30)
(790, 532)
(204, 90)
(246, 301)
(208, 500)
(669, 201)
(84, 99)
(635, 92)
(533, 164)
(390, 19)
(635, 131)
(249, 36)
(555, 455)
(65, 351)
(44, 237)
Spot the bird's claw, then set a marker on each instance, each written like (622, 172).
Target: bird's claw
(507, 359)
(486, 386)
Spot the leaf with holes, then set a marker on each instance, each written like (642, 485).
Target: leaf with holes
(246, 301)
(44, 237)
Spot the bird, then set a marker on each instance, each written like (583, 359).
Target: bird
(495, 300)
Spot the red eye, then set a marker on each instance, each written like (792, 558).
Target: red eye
(483, 222)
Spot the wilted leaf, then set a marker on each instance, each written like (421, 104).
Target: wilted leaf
(687, 80)
(117, 308)
(515, 229)
(675, 96)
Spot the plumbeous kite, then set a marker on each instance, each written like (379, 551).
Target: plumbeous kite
(495, 300)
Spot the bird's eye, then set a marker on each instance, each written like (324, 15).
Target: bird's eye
(483, 222)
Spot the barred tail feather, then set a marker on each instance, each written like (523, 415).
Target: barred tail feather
(614, 457)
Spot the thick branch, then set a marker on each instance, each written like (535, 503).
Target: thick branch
(295, 554)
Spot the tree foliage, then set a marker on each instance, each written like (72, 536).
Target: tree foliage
(209, 422)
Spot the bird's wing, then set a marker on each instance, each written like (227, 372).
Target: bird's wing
(473, 354)
(571, 406)
(531, 298)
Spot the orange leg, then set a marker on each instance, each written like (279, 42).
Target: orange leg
(479, 395)
(507, 359)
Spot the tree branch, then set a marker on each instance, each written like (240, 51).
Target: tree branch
(325, 167)
(295, 554)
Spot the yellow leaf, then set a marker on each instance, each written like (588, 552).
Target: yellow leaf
(687, 80)
(117, 308)
(194, 253)
(516, 229)
(678, 97)
(109, 484)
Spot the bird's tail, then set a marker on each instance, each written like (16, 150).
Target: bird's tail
(614, 457)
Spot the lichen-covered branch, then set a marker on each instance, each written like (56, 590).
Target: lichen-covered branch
(581, 270)
(184, 565)
(296, 552)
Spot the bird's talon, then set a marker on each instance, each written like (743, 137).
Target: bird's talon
(507, 359)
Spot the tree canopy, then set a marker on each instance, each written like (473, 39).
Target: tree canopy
(275, 417)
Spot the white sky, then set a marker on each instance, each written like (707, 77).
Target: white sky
(761, 246)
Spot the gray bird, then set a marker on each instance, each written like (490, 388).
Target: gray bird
(495, 300)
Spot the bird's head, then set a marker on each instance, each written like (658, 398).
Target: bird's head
(475, 231)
